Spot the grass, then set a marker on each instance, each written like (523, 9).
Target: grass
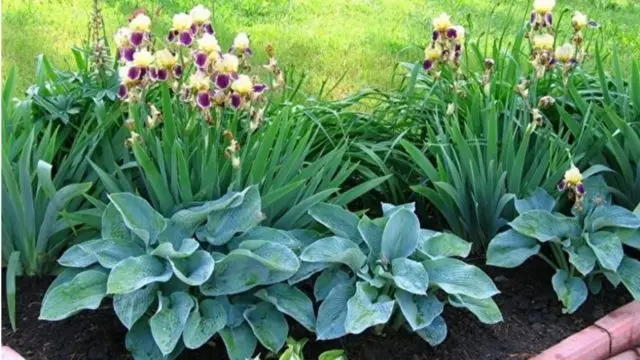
(360, 40)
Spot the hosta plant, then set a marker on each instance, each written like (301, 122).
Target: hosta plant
(176, 282)
(583, 248)
(388, 270)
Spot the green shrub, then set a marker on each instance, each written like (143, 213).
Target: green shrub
(367, 267)
(178, 281)
(586, 247)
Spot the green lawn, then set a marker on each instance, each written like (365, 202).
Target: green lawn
(362, 39)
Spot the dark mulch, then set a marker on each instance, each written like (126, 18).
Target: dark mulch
(532, 314)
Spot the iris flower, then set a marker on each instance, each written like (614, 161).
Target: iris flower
(140, 27)
(202, 19)
(183, 29)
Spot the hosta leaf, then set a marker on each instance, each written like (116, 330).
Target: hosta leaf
(236, 309)
(613, 216)
(545, 226)
(78, 256)
(583, 258)
(341, 222)
(291, 301)
(390, 209)
(139, 216)
(630, 237)
(419, 310)
(571, 291)
(113, 227)
(444, 245)
(372, 235)
(400, 235)
(223, 224)
(540, 200)
(195, 269)
(613, 277)
(608, 249)
(304, 237)
(168, 322)
(183, 248)
(192, 217)
(239, 341)
(84, 291)
(455, 277)
(329, 279)
(263, 263)
(332, 314)
(140, 343)
(410, 276)
(205, 320)
(629, 272)
(268, 325)
(132, 306)
(307, 270)
(435, 333)
(133, 273)
(510, 249)
(485, 310)
(364, 311)
(267, 234)
(335, 250)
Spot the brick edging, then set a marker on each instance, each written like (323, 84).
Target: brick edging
(611, 335)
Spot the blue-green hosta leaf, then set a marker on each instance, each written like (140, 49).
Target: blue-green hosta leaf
(629, 272)
(455, 277)
(306, 271)
(435, 333)
(594, 283)
(545, 226)
(191, 218)
(335, 250)
(78, 256)
(205, 320)
(400, 235)
(583, 258)
(291, 301)
(110, 252)
(485, 310)
(266, 234)
(223, 224)
(608, 249)
(84, 291)
(182, 248)
(239, 341)
(304, 237)
(571, 291)
(410, 276)
(630, 237)
(133, 273)
(195, 269)
(341, 222)
(140, 343)
(132, 306)
(444, 245)
(236, 309)
(540, 200)
(372, 235)
(613, 216)
(329, 279)
(390, 209)
(612, 277)
(419, 310)
(168, 322)
(268, 325)
(332, 314)
(113, 227)
(365, 310)
(510, 249)
(139, 216)
(263, 263)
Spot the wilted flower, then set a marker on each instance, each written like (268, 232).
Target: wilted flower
(155, 117)
(134, 138)
(442, 23)
(130, 124)
(579, 21)
(565, 53)
(451, 109)
(546, 101)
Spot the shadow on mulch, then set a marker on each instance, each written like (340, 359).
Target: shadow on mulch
(533, 321)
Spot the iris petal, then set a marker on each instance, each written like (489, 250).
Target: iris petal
(163, 74)
(204, 100)
(259, 88)
(185, 38)
(136, 38)
(177, 71)
(427, 65)
(200, 59)
(134, 73)
(122, 92)
(236, 101)
(223, 81)
(209, 28)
